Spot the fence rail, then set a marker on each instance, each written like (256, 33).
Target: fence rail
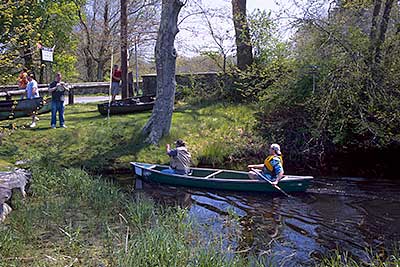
(8, 91)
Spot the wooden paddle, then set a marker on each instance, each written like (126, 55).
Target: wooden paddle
(266, 179)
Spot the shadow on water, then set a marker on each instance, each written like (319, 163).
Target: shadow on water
(350, 214)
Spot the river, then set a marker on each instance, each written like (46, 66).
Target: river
(349, 214)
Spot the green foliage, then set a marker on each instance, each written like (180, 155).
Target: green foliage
(267, 45)
(329, 101)
(256, 82)
(272, 63)
(339, 259)
(24, 24)
(18, 28)
(141, 212)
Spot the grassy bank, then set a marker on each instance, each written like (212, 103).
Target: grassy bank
(213, 135)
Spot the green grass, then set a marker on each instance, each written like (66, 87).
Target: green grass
(97, 144)
(343, 259)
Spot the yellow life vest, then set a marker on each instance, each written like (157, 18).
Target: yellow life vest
(267, 162)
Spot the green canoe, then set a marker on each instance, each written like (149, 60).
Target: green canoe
(11, 109)
(218, 179)
(126, 106)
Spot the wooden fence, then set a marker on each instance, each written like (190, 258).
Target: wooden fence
(9, 91)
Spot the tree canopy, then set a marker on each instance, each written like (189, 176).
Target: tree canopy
(27, 24)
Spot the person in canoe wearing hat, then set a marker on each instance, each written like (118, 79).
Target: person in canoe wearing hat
(272, 168)
(180, 158)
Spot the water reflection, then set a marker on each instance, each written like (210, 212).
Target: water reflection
(347, 213)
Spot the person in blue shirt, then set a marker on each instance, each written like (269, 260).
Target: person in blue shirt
(57, 88)
(272, 168)
(180, 159)
(32, 91)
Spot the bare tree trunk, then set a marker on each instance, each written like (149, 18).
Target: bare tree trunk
(244, 49)
(374, 29)
(100, 69)
(383, 30)
(28, 60)
(40, 79)
(378, 38)
(124, 46)
(159, 123)
(89, 65)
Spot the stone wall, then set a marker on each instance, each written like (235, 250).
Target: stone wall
(148, 84)
(204, 79)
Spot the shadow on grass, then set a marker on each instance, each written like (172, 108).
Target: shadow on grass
(76, 118)
(107, 147)
(131, 146)
(193, 111)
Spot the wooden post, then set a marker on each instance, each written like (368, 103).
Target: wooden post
(124, 46)
(71, 96)
(137, 66)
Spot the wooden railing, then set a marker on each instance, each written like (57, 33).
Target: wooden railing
(9, 91)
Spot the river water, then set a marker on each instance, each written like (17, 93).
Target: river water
(349, 214)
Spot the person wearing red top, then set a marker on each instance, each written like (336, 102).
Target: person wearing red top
(115, 82)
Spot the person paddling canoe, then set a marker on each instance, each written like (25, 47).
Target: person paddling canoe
(272, 168)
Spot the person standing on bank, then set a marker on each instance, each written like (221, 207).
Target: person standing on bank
(272, 168)
(115, 82)
(57, 88)
(32, 91)
(180, 159)
(23, 80)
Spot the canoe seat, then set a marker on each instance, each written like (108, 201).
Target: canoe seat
(213, 174)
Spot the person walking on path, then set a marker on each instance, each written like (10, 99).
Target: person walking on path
(272, 168)
(57, 89)
(32, 91)
(115, 82)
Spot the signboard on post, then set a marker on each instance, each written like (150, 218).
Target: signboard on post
(47, 54)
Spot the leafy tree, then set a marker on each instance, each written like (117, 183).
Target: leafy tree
(271, 62)
(18, 35)
(24, 24)
(355, 106)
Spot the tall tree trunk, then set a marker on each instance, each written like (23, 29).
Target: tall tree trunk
(40, 79)
(377, 38)
(27, 56)
(89, 65)
(383, 30)
(124, 46)
(244, 48)
(159, 123)
(100, 69)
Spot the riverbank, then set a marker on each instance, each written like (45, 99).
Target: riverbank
(75, 216)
